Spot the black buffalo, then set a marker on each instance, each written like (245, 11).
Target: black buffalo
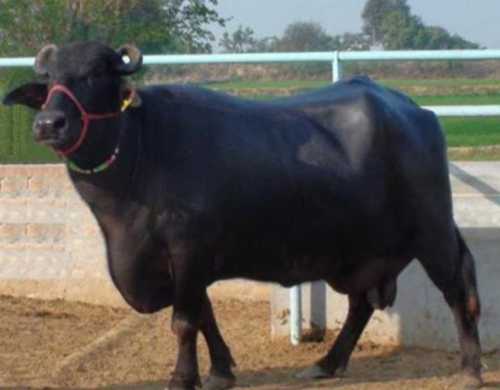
(346, 184)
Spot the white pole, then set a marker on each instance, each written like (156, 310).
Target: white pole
(336, 67)
(295, 314)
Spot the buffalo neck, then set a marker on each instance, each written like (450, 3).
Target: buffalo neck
(101, 140)
(119, 180)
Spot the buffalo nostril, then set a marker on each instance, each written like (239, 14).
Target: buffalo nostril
(49, 126)
(43, 124)
(59, 123)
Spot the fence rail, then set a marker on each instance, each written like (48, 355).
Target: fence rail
(336, 58)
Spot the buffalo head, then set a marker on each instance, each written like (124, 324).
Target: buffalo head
(80, 82)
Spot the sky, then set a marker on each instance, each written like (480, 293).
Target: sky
(475, 20)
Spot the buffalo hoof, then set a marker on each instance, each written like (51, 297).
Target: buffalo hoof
(215, 382)
(314, 372)
(179, 384)
(180, 387)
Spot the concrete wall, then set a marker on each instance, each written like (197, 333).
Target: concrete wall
(50, 244)
(420, 316)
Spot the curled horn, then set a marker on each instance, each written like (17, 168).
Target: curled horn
(135, 60)
(43, 58)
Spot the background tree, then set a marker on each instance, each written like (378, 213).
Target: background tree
(305, 36)
(400, 31)
(266, 44)
(154, 25)
(391, 24)
(352, 41)
(298, 36)
(240, 41)
(438, 38)
(373, 15)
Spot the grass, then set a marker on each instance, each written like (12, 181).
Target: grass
(33, 154)
(422, 100)
(457, 100)
(425, 92)
(269, 84)
(471, 132)
(439, 82)
(310, 84)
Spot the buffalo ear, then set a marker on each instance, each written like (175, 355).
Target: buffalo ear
(31, 94)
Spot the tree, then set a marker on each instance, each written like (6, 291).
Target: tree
(305, 36)
(408, 32)
(266, 44)
(154, 25)
(391, 24)
(240, 41)
(439, 38)
(189, 19)
(400, 31)
(374, 13)
(352, 41)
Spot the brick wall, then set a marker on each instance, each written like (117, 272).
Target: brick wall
(49, 242)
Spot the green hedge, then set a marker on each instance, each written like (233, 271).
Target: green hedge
(16, 140)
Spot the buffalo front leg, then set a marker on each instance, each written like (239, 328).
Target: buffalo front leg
(185, 375)
(185, 325)
(360, 311)
(221, 376)
(186, 321)
(188, 268)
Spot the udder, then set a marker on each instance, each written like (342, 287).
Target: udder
(376, 277)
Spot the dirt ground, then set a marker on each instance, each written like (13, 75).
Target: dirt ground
(58, 344)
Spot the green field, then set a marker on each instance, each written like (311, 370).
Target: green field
(393, 83)
(457, 100)
(17, 146)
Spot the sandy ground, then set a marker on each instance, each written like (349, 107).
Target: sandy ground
(58, 344)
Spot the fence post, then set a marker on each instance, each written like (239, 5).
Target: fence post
(295, 314)
(336, 67)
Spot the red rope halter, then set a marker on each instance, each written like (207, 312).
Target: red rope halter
(86, 117)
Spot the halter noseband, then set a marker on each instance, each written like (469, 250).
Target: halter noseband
(86, 117)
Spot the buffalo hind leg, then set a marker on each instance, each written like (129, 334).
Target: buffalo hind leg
(451, 268)
(221, 376)
(360, 311)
